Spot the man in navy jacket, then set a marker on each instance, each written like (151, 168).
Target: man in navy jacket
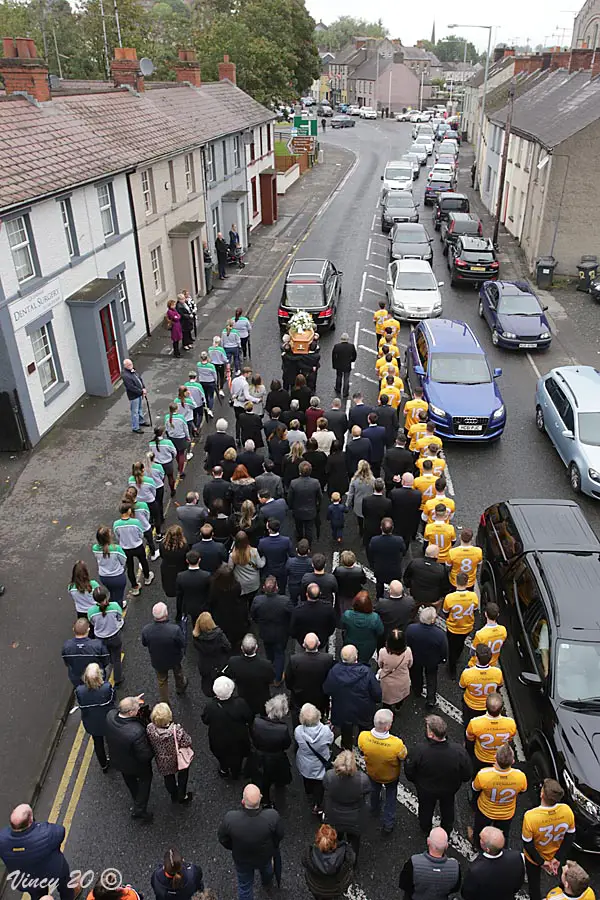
(357, 448)
(385, 554)
(79, 651)
(31, 853)
(429, 647)
(136, 391)
(354, 693)
(276, 549)
(376, 434)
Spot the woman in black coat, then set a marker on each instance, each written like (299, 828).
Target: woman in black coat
(176, 879)
(277, 397)
(228, 608)
(187, 323)
(351, 579)
(291, 464)
(336, 470)
(318, 461)
(95, 697)
(345, 800)
(243, 487)
(172, 553)
(228, 718)
(328, 865)
(271, 738)
(278, 447)
(301, 392)
(213, 649)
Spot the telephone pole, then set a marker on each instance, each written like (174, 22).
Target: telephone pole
(502, 178)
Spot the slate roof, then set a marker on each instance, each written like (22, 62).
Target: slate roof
(367, 71)
(345, 55)
(497, 99)
(557, 107)
(495, 69)
(76, 139)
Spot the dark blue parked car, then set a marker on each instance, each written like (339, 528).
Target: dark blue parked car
(515, 315)
(447, 360)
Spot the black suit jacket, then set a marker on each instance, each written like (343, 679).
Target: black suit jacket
(252, 461)
(406, 511)
(385, 554)
(388, 417)
(359, 415)
(192, 588)
(212, 555)
(397, 461)
(496, 878)
(357, 449)
(215, 445)
(217, 489)
(342, 356)
(338, 423)
(374, 508)
(191, 518)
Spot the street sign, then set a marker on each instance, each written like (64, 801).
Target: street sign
(303, 144)
(305, 126)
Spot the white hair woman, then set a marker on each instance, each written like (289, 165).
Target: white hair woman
(345, 800)
(271, 738)
(362, 485)
(95, 697)
(314, 749)
(228, 718)
(166, 739)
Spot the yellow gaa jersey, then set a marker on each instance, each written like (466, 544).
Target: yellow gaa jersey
(429, 508)
(386, 342)
(398, 383)
(546, 827)
(439, 464)
(489, 734)
(460, 608)
(479, 681)
(557, 893)
(393, 393)
(425, 442)
(465, 559)
(382, 364)
(415, 433)
(392, 323)
(498, 791)
(492, 635)
(411, 411)
(442, 534)
(379, 317)
(426, 484)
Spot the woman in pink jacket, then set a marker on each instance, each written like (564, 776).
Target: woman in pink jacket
(176, 331)
(394, 660)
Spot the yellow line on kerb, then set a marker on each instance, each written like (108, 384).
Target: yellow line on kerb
(66, 776)
(79, 782)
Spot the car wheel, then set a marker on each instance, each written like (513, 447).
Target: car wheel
(495, 338)
(540, 767)
(332, 326)
(539, 419)
(445, 249)
(480, 309)
(488, 595)
(575, 477)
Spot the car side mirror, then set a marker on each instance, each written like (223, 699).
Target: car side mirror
(340, 272)
(532, 679)
(497, 373)
(567, 433)
(382, 177)
(417, 205)
(544, 308)
(419, 370)
(440, 284)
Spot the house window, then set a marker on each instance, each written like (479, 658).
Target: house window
(123, 299)
(215, 222)
(156, 263)
(210, 164)
(269, 139)
(236, 152)
(529, 157)
(488, 179)
(69, 226)
(262, 151)
(148, 192)
(44, 355)
(254, 198)
(172, 182)
(107, 209)
(252, 149)
(224, 151)
(190, 181)
(21, 246)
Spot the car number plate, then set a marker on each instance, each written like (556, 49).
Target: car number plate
(527, 346)
(470, 427)
(477, 268)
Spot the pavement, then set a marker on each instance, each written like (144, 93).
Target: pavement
(95, 808)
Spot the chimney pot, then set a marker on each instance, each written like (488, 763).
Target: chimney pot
(227, 70)
(581, 58)
(22, 69)
(9, 51)
(125, 69)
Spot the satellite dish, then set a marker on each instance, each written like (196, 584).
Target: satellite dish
(146, 66)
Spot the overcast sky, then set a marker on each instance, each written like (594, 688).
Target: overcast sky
(540, 21)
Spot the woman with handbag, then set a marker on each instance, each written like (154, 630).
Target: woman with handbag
(394, 660)
(173, 752)
(314, 742)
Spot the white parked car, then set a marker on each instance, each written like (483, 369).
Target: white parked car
(422, 128)
(367, 112)
(414, 115)
(353, 111)
(412, 290)
(426, 140)
(403, 116)
(398, 175)
(441, 168)
(419, 150)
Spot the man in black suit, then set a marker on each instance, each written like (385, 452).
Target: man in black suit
(426, 578)
(338, 420)
(359, 413)
(252, 674)
(269, 481)
(357, 448)
(406, 507)
(385, 554)
(304, 676)
(250, 426)
(375, 508)
(217, 489)
(269, 425)
(191, 517)
(212, 553)
(375, 433)
(270, 508)
(395, 611)
(497, 873)
(250, 458)
(342, 357)
(192, 589)
(216, 444)
(304, 499)
(313, 614)
(397, 460)
(388, 418)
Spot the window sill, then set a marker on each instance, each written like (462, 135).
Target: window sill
(127, 326)
(160, 298)
(32, 284)
(110, 241)
(54, 392)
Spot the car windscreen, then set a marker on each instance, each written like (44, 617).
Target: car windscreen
(519, 305)
(304, 296)
(410, 237)
(467, 227)
(418, 148)
(439, 183)
(477, 256)
(454, 203)
(423, 139)
(577, 670)
(398, 201)
(397, 173)
(589, 428)
(459, 368)
(416, 281)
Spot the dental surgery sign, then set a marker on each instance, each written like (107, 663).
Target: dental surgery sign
(28, 309)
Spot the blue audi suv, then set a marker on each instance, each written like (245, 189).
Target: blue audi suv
(445, 358)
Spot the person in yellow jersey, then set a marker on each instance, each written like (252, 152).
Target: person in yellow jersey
(465, 558)
(426, 483)
(497, 789)
(574, 884)
(383, 364)
(413, 407)
(430, 437)
(459, 607)
(417, 430)
(393, 325)
(433, 453)
(379, 317)
(386, 348)
(485, 734)
(477, 682)
(383, 753)
(391, 371)
(388, 337)
(491, 634)
(391, 391)
(440, 486)
(440, 531)
(548, 832)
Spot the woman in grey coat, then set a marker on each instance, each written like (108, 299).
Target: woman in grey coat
(361, 486)
(314, 746)
(345, 800)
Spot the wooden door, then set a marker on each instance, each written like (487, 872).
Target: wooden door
(110, 343)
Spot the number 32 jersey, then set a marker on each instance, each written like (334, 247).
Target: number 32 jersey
(546, 827)
(498, 791)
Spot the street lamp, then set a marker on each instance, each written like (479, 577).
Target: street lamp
(485, 81)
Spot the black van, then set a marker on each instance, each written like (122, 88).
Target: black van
(446, 203)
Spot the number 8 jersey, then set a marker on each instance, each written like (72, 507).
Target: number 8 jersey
(547, 826)
(498, 791)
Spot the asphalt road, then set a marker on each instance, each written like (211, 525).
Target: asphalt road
(95, 807)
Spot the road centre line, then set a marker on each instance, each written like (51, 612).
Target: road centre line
(533, 365)
(362, 289)
(368, 249)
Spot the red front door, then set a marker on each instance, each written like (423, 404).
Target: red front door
(110, 343)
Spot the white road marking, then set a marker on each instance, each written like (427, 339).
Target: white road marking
(376, 277)
(355, 892)
(362, 290)
(366, 378)
(368, 309)
(369, 573)
(376, 266)
(449, 482)
(452, 711)
(533, 365)
(372, 290)
(368, 331)
(368, 349)
(368, 250)
(356, 330)
(374, 221)
(377, 253)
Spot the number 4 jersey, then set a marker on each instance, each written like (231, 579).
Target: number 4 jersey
(498, 791)
(547, 826)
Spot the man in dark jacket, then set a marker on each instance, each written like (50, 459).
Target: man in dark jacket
(395, 611)
(166, 644)
(221, 249)
(252, 675)
(387, 417)
(376, 435)
(437, 767)
(397, 460)
(270, 508)
(304, 501)
(354, 693)
(136, 391)
(269, 481)
(304, 676)
(359, 412)
(342, 357)
(385, 554)
(272, 612)
(31, 852)
(337, 420)
(357, 448)
(375, 507)
(250, 425)
(406, 506)
(81, 650)
(432, 874)
(429, 647)
(314, 614)
(215, 489)
(216, 444)
(276, 549)
(192, 516)
(426, 578)
(249, 457)
(326, 582)
(253, 835)
(130, 752)
(212, 553)
(192, 587)
(496, 874)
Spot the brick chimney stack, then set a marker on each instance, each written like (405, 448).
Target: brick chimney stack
(508, 51)
(187, 67)
(227, 70)
(580, 59)
(22, 69)
(125, 69)
(595, 70)
(560, 60)
(528, 64)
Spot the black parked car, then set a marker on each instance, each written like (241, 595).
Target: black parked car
(458, 224)
(313, 285)
(343, 122)
(409, 240)
(472, 259)
(398, 206)
(541, 563)
(446, 204)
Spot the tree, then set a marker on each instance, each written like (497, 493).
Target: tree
(452, 49)
(340, 32)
